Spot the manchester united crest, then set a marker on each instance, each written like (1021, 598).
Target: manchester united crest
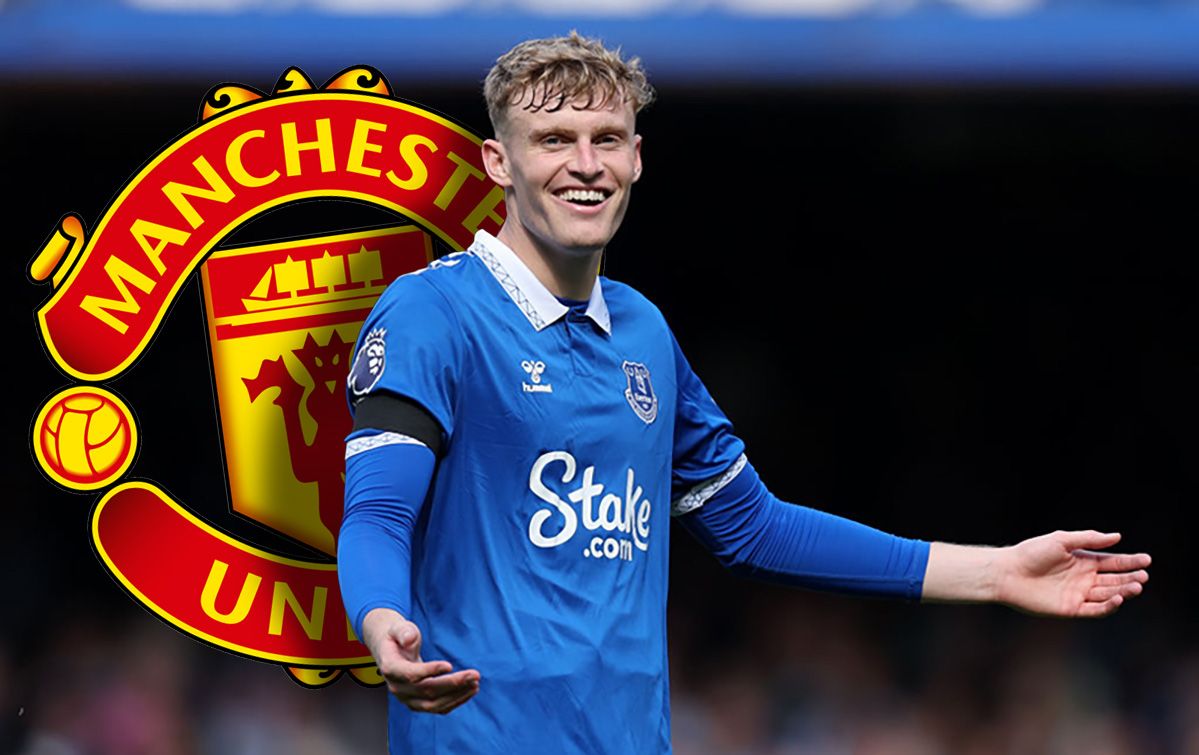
(282, 318)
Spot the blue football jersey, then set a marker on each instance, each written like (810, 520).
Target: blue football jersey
(540, 557)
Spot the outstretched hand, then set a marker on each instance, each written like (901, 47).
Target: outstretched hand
(424, 686)
(1065, 574)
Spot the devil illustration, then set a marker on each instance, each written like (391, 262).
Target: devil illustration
(321, 460)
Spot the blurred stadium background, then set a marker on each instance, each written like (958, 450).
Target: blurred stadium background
(934, 259)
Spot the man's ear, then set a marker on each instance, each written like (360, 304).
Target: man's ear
(495, 162)
(637, 157)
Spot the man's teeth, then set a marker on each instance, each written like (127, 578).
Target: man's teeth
(582, 195)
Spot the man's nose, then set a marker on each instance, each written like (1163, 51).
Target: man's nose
(585, 160)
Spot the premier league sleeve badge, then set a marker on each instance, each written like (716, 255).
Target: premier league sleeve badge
(368, 365)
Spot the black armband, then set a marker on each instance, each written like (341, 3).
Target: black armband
(394, 413)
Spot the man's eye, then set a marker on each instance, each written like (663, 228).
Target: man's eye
(552, 141)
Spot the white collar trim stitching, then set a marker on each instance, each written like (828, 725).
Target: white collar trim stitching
(535, 301)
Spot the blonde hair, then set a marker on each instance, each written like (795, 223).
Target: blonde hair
(557, 71)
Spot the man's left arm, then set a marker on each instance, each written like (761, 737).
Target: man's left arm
(752, 532)
(755, 534)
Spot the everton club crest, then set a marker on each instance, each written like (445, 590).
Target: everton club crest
(640, 392)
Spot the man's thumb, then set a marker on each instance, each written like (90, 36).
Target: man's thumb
(1090, 539)
(410, 638)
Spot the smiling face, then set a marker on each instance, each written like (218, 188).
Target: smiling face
(566, 175)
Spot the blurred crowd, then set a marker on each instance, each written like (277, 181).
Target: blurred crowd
(756, 670)
(827, 676)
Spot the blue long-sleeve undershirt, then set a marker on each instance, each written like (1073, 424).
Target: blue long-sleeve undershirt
(757, 535)
(742, 524)
(385, 491)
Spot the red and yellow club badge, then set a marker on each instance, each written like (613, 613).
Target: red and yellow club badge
(282, 319)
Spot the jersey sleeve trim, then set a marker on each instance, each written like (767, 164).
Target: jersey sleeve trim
(699, 495)
(361, 444)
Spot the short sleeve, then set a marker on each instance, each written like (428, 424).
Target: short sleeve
(410, 345)
(705, 446)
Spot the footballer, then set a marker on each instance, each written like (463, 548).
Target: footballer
(524, 431)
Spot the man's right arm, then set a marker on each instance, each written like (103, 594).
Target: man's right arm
(388, 474)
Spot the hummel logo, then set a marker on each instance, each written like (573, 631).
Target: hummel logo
(534, 369)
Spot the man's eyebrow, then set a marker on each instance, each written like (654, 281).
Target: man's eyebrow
(613, 127)
(562, 130)
(537, 133)
(621, 130)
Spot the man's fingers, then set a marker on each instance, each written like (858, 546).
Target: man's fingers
(1119, 578)
(1101, 593)
(437, 687)
(444, 702)
(1122, 562)
(465, 696)
(1091, 610)
(403, 671)
(441, 705)
(448, 704)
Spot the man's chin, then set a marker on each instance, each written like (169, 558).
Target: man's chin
(576, 240)
(588, 248)
(583, 245)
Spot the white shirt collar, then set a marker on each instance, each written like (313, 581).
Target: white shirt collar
(532, 297)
